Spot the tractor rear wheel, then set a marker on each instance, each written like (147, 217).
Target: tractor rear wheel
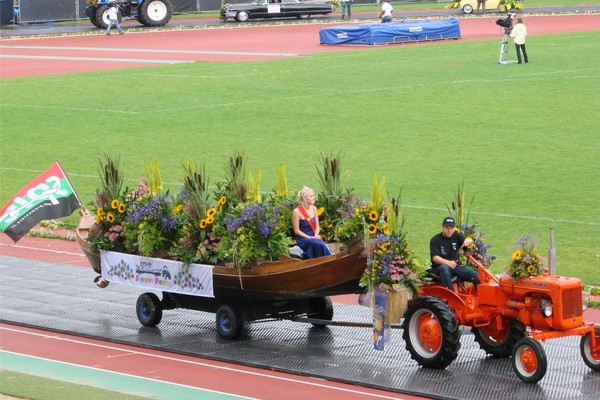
(229, 322)
(431, 332)
(529, 360)
(591, 357)
(155, 12)
(499, 341)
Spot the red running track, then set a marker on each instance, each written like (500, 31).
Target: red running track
(65, 54)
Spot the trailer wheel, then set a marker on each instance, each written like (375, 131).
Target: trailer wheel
(431, 332)
(499, 342)
(320, 308)
(529, 360)
(304, 16)
(591, 357)
(467, 9)
(148, 309)
(155, 12)
(229, 322)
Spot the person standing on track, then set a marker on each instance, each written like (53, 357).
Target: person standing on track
(386, 11)
(113, 18)
(347, 8)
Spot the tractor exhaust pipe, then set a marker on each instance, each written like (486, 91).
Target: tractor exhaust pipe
(552, 254)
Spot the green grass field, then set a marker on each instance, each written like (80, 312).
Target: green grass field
(523, 138)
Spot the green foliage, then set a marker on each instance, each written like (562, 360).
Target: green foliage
(503, 130)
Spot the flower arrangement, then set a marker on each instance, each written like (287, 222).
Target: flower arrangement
(479, 249)
(390, 262)
(152, 225)
(525, 261)
(250, 231)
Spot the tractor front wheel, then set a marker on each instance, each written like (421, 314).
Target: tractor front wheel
(529, 360)
(431, 332)
(155, 12)
(591, 356)
(500, 336)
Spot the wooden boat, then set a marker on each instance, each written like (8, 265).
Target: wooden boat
(284, 279)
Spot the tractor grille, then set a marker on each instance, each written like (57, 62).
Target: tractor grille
(572, 303)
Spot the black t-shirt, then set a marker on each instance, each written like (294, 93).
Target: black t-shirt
(447, 248)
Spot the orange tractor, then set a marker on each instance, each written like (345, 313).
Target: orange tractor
(508, 318)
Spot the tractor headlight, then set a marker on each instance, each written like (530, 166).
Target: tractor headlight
(546, 307)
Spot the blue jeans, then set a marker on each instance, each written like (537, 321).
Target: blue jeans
(463, 272)
(385, 19)
(111, 23)
(347, 5)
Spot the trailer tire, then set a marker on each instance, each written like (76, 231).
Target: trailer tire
(467, 9)
(229, 322)
(148, 309)
(320, 308)
(529, 360)
(585, 345)
(431, 332)
(499, 343)
(155, 12)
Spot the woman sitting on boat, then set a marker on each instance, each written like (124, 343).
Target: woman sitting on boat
(306, 226)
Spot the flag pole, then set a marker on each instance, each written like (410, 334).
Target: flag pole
(68, 180)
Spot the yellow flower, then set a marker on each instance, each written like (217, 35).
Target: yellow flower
(203, 223)
(98, 219)
(320, 211)
(110, 218)
(210, 220)
(516, 255)
(121, 208)
(372, 229)
(211, 212)
(531, 269)
(99, 212)
(222, 201)
(386, 229)
(114, 204)
(373, 215)
(179, 208)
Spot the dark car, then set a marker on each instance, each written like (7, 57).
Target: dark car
(275, 9)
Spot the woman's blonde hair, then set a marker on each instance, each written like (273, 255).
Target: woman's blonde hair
(301, 193)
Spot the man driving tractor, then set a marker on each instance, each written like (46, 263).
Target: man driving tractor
(444, 248)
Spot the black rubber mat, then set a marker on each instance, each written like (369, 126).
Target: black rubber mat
(64, 298)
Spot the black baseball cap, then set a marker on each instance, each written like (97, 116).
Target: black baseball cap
(448, 221)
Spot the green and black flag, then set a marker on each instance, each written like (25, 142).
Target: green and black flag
(48, 196)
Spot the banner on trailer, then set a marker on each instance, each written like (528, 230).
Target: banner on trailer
(157, 273)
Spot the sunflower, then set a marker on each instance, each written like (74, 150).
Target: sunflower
(110, 218)
(202, 224)
(210, 220)
(114, 204)
(121, 208)
(222, 201)
(98, 219)
(178, 208)
(99, 212)
(373, 215)
(320, 211)
(531, 269)
(211, 212)
(516, 255)
(372, 229)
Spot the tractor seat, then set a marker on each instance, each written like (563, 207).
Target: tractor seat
(438, 278)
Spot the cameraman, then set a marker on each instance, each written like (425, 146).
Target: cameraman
(518, 34)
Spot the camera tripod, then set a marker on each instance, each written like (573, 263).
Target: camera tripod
(503, 59)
